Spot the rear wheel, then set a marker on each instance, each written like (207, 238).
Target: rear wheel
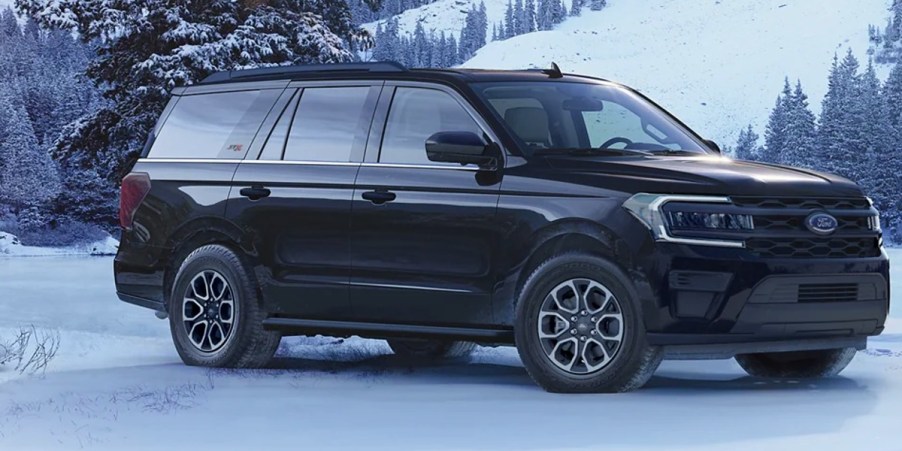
(800, 364)
(579, 328)
(430, 349)
(215, 314)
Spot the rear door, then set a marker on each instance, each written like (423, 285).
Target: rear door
(424, 235)
(292, 197)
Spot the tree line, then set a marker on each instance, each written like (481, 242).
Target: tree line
(858, 134)
(42, 91)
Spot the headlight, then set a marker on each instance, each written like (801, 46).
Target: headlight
(649, 209)
(693, 220)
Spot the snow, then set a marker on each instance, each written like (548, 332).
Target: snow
(10, 246)
(117, 383)
(446, 15)
(717, 65)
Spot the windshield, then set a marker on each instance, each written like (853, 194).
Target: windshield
(578, 118)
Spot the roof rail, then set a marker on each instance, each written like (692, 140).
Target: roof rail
(276, 71)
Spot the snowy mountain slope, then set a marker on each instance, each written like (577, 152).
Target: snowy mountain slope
(716, 64)
(445, 15)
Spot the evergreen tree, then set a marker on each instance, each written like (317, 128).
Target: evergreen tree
(597, 5)
(529, 16)
(747, 145)
(519, 16)
(509, 23)
(839, 145)
(576, 8)
(28, 176)
(146, 47)
(453, 52)
(421, 47)
(775, 132)
(800, 133)
(892, 92)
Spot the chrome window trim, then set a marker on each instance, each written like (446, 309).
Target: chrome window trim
(306, 163)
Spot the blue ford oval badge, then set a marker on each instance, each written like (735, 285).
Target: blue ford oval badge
(821, 223)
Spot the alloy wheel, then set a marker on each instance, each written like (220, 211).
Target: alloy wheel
(208, 311)
(581, 326)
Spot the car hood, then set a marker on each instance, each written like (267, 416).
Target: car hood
(703, 175)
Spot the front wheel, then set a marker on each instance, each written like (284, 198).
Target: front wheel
(215, 314)
(799, 364)
(579, 328)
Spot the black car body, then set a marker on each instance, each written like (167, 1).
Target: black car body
(346, 231)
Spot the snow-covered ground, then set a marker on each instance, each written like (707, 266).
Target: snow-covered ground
(10, 246)
(716, 64)
(117, 383)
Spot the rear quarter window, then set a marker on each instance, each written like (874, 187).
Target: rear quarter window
(214, 125)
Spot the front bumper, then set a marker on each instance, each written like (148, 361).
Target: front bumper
(707, 301)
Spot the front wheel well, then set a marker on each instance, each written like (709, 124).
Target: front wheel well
(600, 246)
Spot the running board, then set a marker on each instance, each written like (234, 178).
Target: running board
(381, 330)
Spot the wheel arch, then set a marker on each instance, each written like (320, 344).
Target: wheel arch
(195, 234)
(559, 238)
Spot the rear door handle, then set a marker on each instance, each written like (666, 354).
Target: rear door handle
(379, 197)
(255, 192)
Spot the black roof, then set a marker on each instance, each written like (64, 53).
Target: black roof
(377, 70)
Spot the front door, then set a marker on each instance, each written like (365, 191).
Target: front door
(424, 235)
(293, 203)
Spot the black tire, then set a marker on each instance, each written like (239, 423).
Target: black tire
(799, 364)
(633, 361)
(430, 349)
(247, 344)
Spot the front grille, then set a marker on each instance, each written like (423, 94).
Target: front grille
(814, 247)
(797, 223)
(828, 292)
(829, 203)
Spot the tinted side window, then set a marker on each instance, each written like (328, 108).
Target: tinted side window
(416, 114)
(329, 124)
(217, 125)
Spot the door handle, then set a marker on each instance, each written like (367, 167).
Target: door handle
(379, 197)
(255, 192)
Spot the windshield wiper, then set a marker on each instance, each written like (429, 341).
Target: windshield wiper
(589, 151)
(675, 152)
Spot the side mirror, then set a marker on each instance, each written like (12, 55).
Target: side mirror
(713, 146)
(459, 147)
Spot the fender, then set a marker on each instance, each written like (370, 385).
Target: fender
(556, 238)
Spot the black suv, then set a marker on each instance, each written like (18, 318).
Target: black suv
(564, 214)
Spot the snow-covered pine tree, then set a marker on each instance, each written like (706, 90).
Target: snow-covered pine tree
(9, 24)
(838, 136)
(453, 52)
(879, 177)
(775, 132)
(510, 26)
(519, 14)
(576, 8)
(147, 47)
(543, 19)
(28, 176)
(747, 145)
(800, 131)
(597, 5)
(421, 47)
(529, 16)
(892, 92)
